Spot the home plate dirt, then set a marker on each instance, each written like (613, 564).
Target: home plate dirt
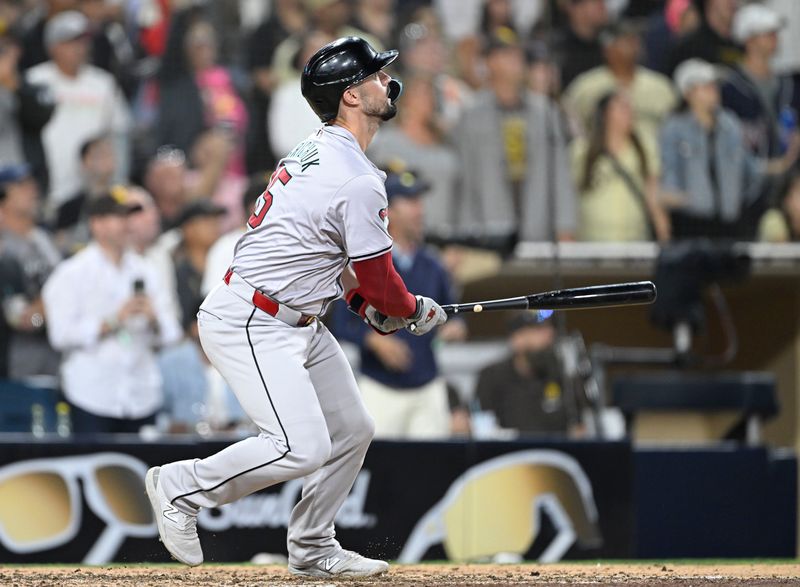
(418, 575)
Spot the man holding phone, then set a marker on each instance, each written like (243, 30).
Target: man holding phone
(107, 316)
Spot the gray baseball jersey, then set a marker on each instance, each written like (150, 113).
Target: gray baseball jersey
(325, 205)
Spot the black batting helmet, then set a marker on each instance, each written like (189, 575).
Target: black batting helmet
(336, 67)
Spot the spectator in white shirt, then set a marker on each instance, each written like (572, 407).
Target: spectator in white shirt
(108, 313)
(88, 104)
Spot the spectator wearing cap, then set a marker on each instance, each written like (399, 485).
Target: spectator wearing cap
(651, 94)
(24, 111)
(577, 44)
(708, 176)
(107, 313)
(34, 252)
(515, 170)
(713, 40)
(419, 143)
(753, 91)
(400, 381)
(525, 391)
(88, 104)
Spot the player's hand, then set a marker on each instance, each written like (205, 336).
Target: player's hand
(429, 315)
(393, 352)
(382, 322)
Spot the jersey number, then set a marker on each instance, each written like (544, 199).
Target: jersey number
(264, 201)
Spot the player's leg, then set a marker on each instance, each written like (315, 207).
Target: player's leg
(430, 417)
(263, 361)
(390, 408)
(311, 526)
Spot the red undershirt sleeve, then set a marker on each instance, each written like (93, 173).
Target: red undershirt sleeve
(382, 286)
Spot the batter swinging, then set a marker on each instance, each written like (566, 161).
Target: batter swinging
(318, 231)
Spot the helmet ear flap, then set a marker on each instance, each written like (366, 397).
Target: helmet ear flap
(395, 89)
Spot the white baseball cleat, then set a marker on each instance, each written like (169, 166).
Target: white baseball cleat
(344, 563)
(178, 531)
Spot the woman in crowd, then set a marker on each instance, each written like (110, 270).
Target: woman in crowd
(616, 174)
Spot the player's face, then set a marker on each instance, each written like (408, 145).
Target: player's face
(374, 92)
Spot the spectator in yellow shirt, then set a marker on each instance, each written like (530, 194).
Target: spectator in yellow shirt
(616, 174)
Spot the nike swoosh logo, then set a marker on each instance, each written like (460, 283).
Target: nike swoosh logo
(330, 563)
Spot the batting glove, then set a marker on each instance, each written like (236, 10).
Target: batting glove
(429, 315)
(383, 323)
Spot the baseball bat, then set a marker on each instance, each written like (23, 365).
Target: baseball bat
(596, 296)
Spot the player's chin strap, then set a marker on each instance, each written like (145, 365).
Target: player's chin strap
(395, 89)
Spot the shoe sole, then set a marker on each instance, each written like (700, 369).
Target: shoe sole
(312, 572)
(152, 495)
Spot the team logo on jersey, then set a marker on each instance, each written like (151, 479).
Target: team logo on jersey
(383, 214)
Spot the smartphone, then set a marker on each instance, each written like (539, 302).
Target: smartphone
(138, 287)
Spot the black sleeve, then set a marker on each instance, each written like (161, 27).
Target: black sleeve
(35, 107)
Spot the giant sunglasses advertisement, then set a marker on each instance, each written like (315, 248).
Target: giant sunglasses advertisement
(414, 501)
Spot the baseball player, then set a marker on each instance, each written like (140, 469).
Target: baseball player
(319, 231)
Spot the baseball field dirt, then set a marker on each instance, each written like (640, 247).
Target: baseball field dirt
(430, 574)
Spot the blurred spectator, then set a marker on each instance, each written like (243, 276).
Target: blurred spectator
(417, 142)
(525, 391)
(376, 18)
(173, 185)
(210, 176)
(766, 104)
(220, 254)
(331, 17)
(200, 228)
(24, 110)
(401, 385)
(616, 171)
(287, 18)
(787, 58)
(708, 175)
(112, 49)
(713, 40)
(183, 366)
(88, 104)
(495, 15)
(196, 94)
(665, 28)
(577, 45)
(98, 165)
(107, 313)
(147, 240)
(782, 223)
(468, 23)
(651, 94)
(34, 46)
(36, 255)
(544, 77)
(515, 169)
(290, 120)
(423, 52)
(10, 134)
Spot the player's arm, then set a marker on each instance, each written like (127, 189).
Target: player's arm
(359, 211)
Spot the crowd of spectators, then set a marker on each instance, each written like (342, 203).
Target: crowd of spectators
(136, 135)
